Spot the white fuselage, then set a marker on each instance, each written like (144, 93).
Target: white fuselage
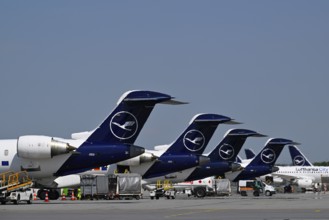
(43, 169)
(314, 173)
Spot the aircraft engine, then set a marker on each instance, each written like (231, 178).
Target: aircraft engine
(303, 183)
(136, 161)
(41, 147)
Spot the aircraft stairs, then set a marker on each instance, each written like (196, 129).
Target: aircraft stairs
(13, 181)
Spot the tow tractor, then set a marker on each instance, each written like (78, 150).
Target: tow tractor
(15, 187)
(161, 189)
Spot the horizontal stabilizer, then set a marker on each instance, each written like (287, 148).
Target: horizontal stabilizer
(210, 118)
(281, 141)
(243, 132)
(148, 96)
(232, 122)
(174, 102)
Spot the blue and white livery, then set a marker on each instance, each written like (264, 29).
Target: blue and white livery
(263, 163)
(46, 158)
(185, 152)
(297, 157)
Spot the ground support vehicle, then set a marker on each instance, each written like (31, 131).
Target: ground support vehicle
(125, 186)
(161, 189)
(257, 187)
(113, 186)
(209, 186)
(88, 187)
(222, 187)
(15, 187)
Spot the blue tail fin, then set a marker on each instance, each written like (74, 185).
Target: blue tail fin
(270, 152)
(298, 158)
(197, 135)
(230, 146)
(250, 154)
(129, 116)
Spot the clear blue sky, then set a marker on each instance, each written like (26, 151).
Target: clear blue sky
(64, 64)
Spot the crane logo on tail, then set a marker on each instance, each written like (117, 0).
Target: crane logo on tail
(194, 140)
(268, 155)
(299, 160)
(226, 151)
(123, 125)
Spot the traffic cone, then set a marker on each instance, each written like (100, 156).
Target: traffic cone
(63, 197)
(34, 195)
(46, 199)
(72, 196)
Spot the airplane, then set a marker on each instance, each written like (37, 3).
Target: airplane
(222, 157)
(201, 128)
(263, 163)
(298, 158)
(185, 152)
(46, 158)
(250, 154)
(304, 175)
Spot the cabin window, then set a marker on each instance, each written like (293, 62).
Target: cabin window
(6, 152)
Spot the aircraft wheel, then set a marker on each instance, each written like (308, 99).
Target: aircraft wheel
(53, 195)
(42, 194)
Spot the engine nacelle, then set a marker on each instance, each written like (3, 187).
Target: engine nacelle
(41, 147)
(136, 161)
(303, 183)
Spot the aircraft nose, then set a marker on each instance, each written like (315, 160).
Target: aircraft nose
(136, 151)
(203, 160)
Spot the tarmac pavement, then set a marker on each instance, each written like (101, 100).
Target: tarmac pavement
(279, 206)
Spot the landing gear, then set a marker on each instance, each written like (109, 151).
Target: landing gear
(52, 194)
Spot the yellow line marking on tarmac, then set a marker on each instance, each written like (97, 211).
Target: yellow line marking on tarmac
(192, 213)
(317, 210)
